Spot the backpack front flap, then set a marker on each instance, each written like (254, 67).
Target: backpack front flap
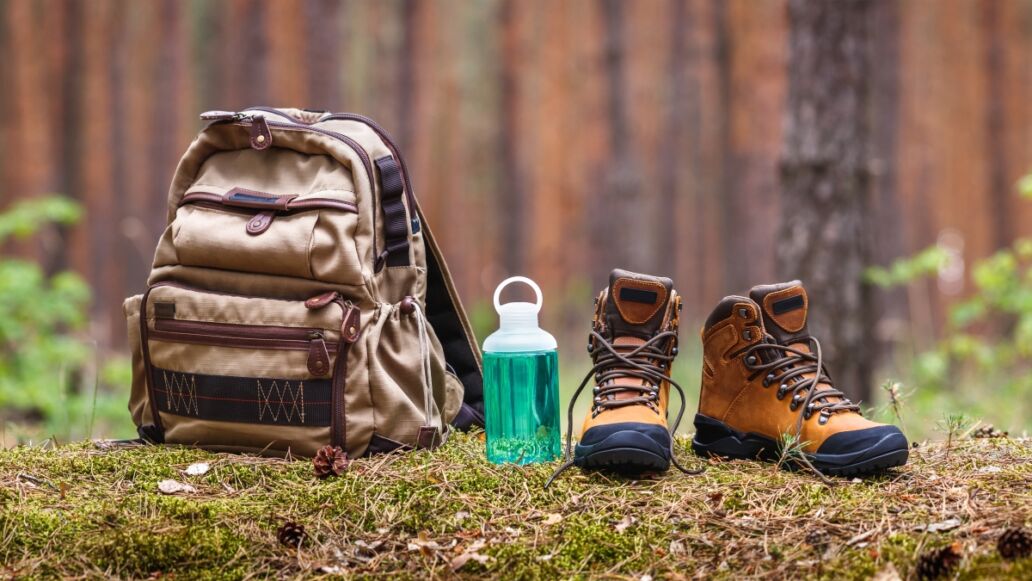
(279, 314)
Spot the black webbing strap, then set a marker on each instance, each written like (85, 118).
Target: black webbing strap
(280, 402)
(395, 223)
(444, 311)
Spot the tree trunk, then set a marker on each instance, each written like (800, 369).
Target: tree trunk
(826, 182)
(623, 236)
(995, 120)
(513, 199)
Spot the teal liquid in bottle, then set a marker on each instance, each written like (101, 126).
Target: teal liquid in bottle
(521, 385)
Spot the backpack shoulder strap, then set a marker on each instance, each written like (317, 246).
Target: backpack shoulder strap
(449, 321)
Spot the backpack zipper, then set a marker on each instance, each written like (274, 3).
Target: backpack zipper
(295, 205)
(350, 331)
(245, 120)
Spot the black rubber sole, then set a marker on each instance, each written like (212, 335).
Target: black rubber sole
(627, 449)
(714, 438)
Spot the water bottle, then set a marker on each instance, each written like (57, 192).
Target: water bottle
(521, 384)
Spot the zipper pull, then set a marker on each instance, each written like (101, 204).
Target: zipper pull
(320, 301)
(318, 355)
(351, 326)
(261, 137)
(221, 116)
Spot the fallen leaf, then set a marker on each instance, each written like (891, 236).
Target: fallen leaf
(331, 569)
(990, 469)
(461, 515)
(624, 524)
(946, 525)
(553, 518)
(676, 548)
(197, 469)
(175, 487)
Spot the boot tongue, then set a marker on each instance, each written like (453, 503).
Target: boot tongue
(636, 304)
(784, 307)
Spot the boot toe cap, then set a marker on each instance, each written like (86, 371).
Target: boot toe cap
(853, 446)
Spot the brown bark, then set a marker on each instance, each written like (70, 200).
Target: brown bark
(886, 211)
(624, 232)
(511, 182)
(322, 24)
(680, 111)
(996, 147)
(825, 179)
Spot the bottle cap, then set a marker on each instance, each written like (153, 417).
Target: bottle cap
(518, 315)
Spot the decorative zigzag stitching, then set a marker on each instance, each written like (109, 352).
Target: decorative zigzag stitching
(296, 404)
(181, 391)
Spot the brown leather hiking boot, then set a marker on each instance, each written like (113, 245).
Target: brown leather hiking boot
(763, 378)
(632, 344)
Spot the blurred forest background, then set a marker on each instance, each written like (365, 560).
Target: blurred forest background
(557, 140)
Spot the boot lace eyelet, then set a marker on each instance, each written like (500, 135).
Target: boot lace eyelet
(822, 419)
(782, 390)
(751, 360)
(794, 405)
(747, 335)
(767, 381)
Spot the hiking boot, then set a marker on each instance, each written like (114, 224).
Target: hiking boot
(633, 343)
(766, 395)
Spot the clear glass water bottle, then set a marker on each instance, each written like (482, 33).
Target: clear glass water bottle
(521, 384)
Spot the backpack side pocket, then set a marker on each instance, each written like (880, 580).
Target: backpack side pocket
(139, 404)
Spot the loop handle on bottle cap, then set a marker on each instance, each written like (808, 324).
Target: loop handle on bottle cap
(524, 280)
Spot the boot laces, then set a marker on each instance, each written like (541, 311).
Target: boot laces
(788, 367)
(649, 362)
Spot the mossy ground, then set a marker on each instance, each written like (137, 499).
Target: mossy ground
(88, 510)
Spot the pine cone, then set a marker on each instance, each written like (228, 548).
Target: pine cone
(330, 461)
(938, 562)
(1015, 543)
(988, 431)
(291, 534)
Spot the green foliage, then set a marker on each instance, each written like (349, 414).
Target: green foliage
(25, 218)
(44, 356)
(1025, 186)
(953, 425)
(924, 263)
(982, 360)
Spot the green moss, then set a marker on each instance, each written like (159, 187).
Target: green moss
(79, 511)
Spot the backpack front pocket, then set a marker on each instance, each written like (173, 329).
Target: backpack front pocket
(309, 236)
(243, 373)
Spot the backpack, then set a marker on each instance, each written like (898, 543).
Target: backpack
(298, 298)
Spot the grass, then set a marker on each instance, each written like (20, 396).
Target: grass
(94, 510)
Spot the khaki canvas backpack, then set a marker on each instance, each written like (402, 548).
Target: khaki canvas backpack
(297, 297)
